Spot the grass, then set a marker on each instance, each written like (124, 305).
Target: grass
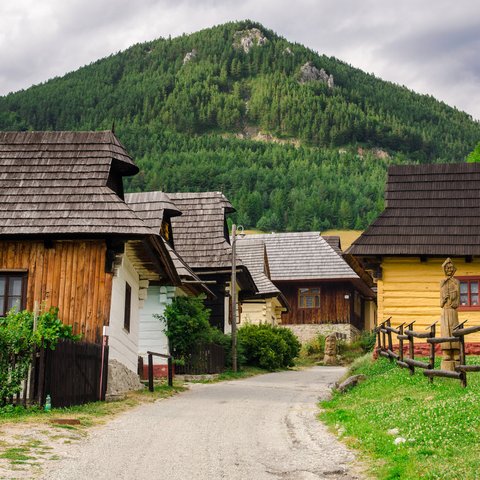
(440, 422)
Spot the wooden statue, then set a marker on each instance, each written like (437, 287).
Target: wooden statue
(330, 356)
(449, 301)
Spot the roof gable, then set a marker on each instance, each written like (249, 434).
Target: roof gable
(152, 207)
(430, 210)
(253, 255)
(200, 233)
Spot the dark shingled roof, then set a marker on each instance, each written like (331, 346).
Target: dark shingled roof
(302, 256)
(55, 183)
(430, 210)
(199, 233)
(151, 207)
(334, 242)
(253, 255)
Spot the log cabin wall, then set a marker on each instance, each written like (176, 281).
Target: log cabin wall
(334, 307)
(70, 275)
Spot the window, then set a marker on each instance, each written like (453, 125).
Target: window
(469, 291)
(12, 291)
(309, 298)
(128, 307)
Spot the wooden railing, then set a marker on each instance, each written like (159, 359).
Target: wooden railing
(150, 368)
(407, 333)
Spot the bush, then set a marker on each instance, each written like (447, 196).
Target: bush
(315, 347)
(268, 347)
(18, 340)
(188, 327)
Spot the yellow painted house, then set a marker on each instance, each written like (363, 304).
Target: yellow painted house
(268, 304)
(432, 212)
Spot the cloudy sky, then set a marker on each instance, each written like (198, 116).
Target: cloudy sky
(430, 46)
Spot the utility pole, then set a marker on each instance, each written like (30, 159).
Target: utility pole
(233, 294)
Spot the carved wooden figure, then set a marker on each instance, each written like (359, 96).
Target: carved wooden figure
(449, 301)
(330, 357)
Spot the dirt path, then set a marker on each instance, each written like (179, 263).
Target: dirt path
(261, 428)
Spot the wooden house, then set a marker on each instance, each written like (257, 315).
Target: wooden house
(68, 239)
(267, 305)
(202, 239)
(323, 291)
(432, 212)
(157, 210)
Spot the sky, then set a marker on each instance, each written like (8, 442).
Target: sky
(430, 46)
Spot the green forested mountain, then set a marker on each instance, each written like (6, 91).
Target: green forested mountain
(186, 121)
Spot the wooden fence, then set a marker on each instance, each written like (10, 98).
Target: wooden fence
(206, 359)
(72, 374)
(407, 333)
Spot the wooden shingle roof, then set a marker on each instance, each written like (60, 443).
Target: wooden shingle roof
(430, 210)
(200, 234)
(302, 256)
(55, 183)
(253, 255)
(152, 207)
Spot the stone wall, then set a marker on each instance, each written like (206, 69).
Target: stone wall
(306, 332)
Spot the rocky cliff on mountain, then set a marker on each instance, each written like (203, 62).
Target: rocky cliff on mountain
(310, 73)
(246, 39)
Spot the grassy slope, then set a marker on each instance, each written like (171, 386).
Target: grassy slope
(347, 237)
(440, 421)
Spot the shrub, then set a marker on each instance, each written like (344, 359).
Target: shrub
(18, 340)
(188, 327)
(268, 347)
(315, 347)
(293, 345)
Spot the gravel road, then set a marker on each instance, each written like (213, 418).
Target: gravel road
(261, 428)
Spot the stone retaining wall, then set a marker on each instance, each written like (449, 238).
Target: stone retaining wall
(305, 332)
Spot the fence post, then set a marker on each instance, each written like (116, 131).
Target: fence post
(432, 350)
(41, 376)
(389, 337)
(170, 371)
(463, 361)
(400, 343)
(150, 372)
(411, 348)
(379, 339)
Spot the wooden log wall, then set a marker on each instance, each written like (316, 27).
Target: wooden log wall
(70, 275)
(410, 290)
(334, 307)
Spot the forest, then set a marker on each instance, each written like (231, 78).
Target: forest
(188, 124)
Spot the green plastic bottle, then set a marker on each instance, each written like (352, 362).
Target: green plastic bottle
(48, 403)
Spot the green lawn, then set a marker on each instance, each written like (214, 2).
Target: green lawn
(440, 423)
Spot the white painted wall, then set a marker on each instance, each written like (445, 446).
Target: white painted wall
(151, 335)
(123, 344)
